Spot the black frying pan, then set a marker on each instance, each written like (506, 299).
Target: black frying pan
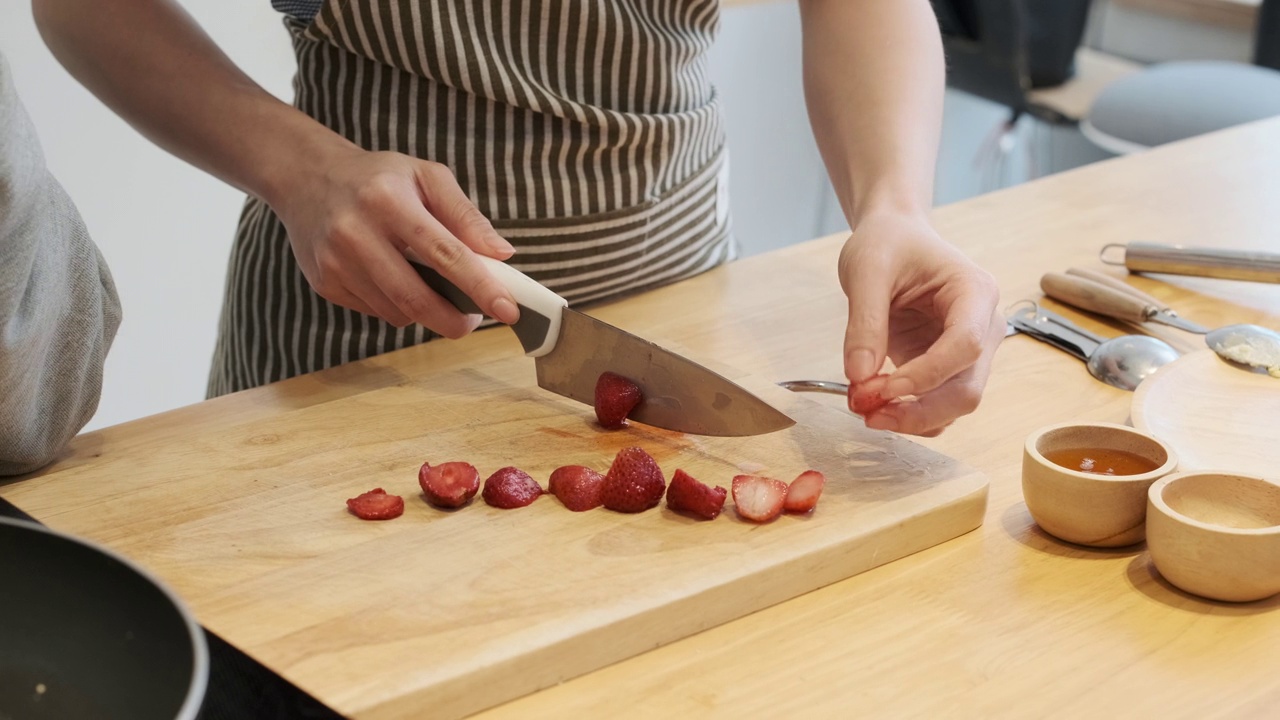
(85, 633)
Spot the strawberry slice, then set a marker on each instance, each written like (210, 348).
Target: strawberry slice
(376, 505)
(616, 397)
(758, 498)
(578, 487)
(634, 483)
(864, 397)
(688, 495)
(509, 488)
(449, 485)
(804, 491)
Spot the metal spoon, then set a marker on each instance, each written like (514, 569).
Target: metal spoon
(1121, 362)
(1251, 345)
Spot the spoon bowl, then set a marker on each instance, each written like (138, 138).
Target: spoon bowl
(1251, 345)
(1127, 360)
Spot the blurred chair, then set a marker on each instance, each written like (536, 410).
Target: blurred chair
(1026, 56)
(1172, 101)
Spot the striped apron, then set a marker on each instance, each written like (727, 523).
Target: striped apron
(587, 131)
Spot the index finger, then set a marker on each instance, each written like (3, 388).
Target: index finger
(866, 335)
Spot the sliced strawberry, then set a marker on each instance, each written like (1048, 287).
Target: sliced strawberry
(634, 483)
(688, 495)
(616, 397)
(376, 505)
(757, 498)
(578, 487)
(864, 397)
(449, 485)
(804, 491)
(510, 488)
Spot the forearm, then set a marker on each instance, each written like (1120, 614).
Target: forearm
(874, 77)
(155, 67)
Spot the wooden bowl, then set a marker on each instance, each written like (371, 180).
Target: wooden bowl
(1216, 534)
(1087, 508)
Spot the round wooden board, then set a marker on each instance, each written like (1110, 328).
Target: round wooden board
(1215, 415)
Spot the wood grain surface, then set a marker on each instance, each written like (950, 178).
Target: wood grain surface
(1216, 416)
(1001, 622)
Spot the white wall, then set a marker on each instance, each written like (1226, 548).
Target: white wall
(164, 227)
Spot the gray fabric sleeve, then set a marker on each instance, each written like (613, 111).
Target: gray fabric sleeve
(58, 305)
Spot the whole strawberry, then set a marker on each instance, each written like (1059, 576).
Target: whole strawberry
(688, 495)
(577, 487)
(616, 397)
(634, 482)
(510, 488)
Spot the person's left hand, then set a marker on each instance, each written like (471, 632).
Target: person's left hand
(917, 300)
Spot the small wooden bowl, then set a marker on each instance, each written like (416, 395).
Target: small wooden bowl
(1087, 508)
(1216, 534)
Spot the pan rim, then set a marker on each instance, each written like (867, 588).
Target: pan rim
(191, 704)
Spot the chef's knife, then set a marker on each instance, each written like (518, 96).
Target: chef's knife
(571, 350)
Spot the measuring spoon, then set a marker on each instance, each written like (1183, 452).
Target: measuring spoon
(1246, 344)
(1121, 362)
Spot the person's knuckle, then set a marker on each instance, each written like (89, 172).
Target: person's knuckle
(448, 254)
(378, 193)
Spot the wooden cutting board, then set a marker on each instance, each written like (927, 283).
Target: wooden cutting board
(442, 614)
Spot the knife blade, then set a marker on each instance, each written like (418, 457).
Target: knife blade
(571, 349)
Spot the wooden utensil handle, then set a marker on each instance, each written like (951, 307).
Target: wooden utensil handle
(1095, 297)
(1117, 284)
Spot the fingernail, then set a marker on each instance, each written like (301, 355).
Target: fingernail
(862, 365)
(898, 387)
(500, 244)
(505, 311)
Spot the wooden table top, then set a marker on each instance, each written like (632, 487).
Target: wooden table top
(1002, 622)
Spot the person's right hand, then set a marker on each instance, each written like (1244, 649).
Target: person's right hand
(352, 224)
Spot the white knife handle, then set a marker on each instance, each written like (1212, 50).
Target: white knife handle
(540, 309)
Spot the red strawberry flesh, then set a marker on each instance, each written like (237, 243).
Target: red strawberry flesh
(804, 491)
(376, 505)
(687, 495)
(449, 485)
(510, 488)
(634, 483)
(864, 397)
(757, 498)
(616, 397)
(577, 487)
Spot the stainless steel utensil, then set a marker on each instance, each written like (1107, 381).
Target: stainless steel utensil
(1121, 362)
(571, 350)
(1242, 343)
(1252, 265)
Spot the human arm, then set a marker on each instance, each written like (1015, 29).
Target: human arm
(58, 306)
(351, 214)
(874, 80)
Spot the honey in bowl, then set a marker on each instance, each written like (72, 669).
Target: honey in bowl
(1101, 461)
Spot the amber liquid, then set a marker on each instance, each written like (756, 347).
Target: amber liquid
(1101, 461)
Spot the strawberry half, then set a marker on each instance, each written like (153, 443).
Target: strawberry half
(634, 482)
(376, 505)
(616, 397)
(510, 488)
(449, 485)
(757, 498)
(578, 487)
(804, 491)
(864, 397)
(688, 495)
